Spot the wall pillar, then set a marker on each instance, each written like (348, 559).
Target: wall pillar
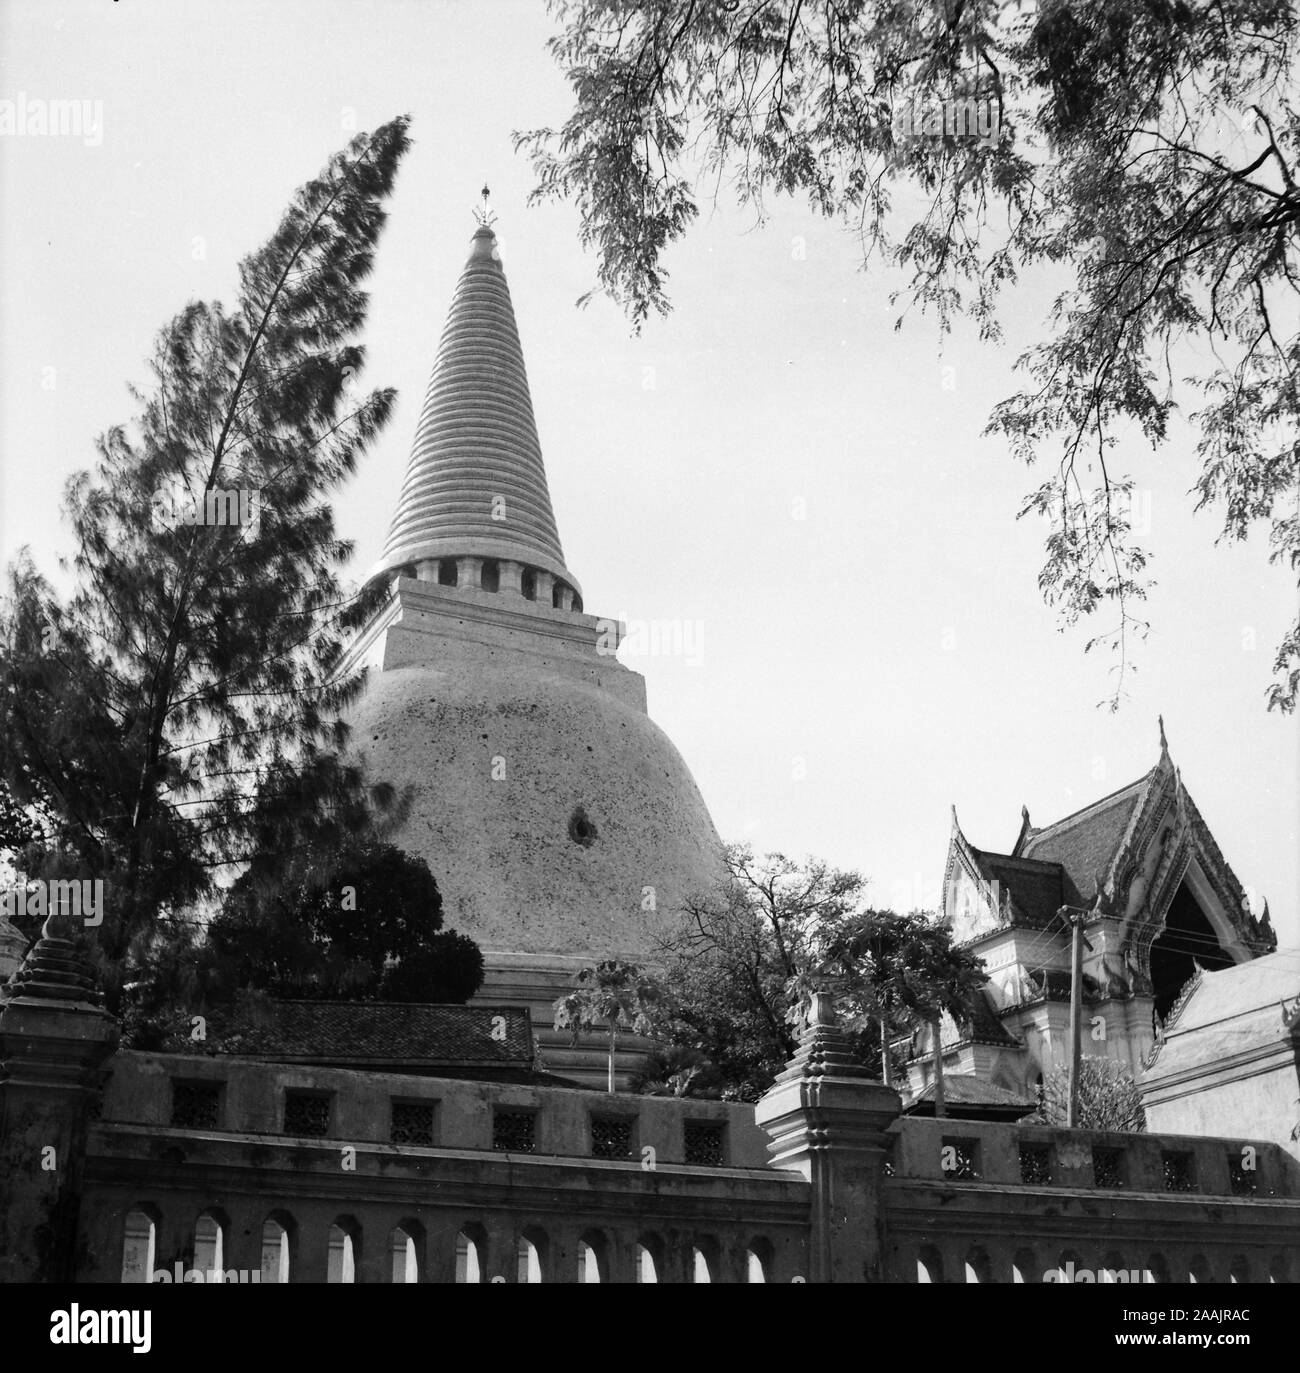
(545, 588)
(373, 1251)
(243, 1239)
(500, 1258)
(426, 570)
(828, 1120)
(512, 578)
(469, 572)
(312, 1256)
(55, 1037)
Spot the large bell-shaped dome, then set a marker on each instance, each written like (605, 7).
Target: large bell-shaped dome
(555, 817)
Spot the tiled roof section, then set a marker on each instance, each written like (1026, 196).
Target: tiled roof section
(385, 1032)
(1230, 1012)
(1084, 843)
(964, 1089)
(981, 1026)
(1054, 984)
(1037, 887)
(475, 483)
(984, 1027)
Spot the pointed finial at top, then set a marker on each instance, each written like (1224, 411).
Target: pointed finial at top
(483, 214)
(1164, 743)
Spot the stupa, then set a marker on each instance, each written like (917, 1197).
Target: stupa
(561, 823)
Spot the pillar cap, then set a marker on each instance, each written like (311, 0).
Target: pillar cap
(56, 969)
(824, 1049)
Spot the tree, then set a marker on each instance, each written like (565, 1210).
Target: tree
(610, 994)
(364, 927)
(1147, 152)
(17, 829)
(740, 969)
(899, 970)
(182, 711)
(1108, 1097)
(739, 976)
(677, 1070)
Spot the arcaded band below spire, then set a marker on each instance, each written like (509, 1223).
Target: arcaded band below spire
(475, 483)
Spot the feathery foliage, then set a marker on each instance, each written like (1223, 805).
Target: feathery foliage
(181, 712)
(1147, 149)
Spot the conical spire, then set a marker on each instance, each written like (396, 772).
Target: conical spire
(475, 483)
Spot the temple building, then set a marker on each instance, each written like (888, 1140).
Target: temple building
(1160, 904)
(561, 824)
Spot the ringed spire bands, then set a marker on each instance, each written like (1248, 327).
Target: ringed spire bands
(475, 482)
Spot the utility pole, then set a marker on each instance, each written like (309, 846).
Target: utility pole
(935, 1030)
(1076, 1011)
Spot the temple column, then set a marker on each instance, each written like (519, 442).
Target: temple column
(497, 1254)
(312, 1258)
(374, 1262)
(511, 583)
(426, 570)
(243, 1238)
(469, 572)
(545, 585)
(55, 1037)
(828, 1120)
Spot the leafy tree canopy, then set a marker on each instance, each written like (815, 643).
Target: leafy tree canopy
(365, 927)
(1146, 150)
(738, 979)
(610, 996)
(181, 712)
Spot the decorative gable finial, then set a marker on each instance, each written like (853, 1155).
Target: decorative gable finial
(1164, 743)
(1027, 832)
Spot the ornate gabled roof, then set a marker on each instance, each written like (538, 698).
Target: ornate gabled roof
(1084, 844)
(1036, 888)
(981, 1024)
(1090, 859)
(984, 1026)
(1017, 891)
(475, 482)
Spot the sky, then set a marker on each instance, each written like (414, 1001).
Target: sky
(797, 497)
